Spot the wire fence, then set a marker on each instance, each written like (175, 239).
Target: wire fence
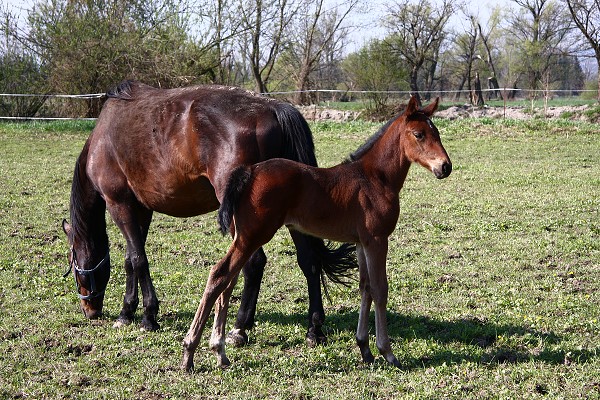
(19, 106)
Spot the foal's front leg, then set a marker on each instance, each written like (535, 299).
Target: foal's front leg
(376, 254)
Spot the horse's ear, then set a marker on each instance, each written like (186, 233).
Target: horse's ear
(431, 108)
(66, 227)
(412, 107)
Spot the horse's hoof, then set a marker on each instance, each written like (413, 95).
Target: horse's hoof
(394, 361)
(149, 326)
(187, 366)
(237, 338)
(313, 340)
(121, 323)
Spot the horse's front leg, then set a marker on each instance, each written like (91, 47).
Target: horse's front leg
(134, 221)
(220, 278)
(311, 267)
(376, 254)
(217, 339)
(253, 273)
(130, 300)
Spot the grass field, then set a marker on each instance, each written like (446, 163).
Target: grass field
(494, 289)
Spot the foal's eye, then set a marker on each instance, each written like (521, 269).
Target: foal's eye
(419, 135)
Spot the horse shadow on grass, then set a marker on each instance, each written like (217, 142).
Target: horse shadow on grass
(453, 341)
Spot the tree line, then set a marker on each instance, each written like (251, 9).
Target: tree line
(297, 46)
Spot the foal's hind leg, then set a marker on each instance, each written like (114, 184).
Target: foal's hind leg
(311, 268)
(253, 274)
(220, 278)
(217, 339)
(362, 330)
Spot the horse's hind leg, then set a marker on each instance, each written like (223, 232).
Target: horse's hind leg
(253, 274)
(131, 300)
(311, 268)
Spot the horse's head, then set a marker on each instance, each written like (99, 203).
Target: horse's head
(91, 270)
(422, 143)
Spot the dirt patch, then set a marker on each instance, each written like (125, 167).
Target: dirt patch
(467, 111)
(315, 113)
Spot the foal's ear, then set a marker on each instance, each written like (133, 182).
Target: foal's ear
(66, 227)
(430, 109)
(412, 107)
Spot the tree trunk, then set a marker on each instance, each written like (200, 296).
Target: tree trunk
(414, 86)
(477, 98)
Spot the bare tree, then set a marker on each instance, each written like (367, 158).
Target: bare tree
(417, 29)
(317, 30)
(264, 24)
(586, 15)
(465, 54)
(539, 29)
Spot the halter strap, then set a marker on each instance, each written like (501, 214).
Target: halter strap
(89, 273)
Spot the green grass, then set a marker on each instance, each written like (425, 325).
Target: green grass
(494, 289)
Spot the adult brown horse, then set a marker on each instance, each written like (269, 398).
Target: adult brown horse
(356, 202)
(171, 151)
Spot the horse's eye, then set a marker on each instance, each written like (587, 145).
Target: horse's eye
(419, 135)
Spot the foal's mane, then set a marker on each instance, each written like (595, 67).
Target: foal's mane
(370, 142)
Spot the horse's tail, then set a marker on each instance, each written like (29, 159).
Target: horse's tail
(299, 145)
(236, 184)
(337, 264)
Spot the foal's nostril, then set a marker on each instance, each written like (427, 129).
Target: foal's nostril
(447, 169)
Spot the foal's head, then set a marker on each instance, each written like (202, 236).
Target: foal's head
(421, 139)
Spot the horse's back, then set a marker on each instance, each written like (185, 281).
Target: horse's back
(174, 148)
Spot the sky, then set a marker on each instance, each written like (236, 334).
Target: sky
(369, 23)
(372, 28)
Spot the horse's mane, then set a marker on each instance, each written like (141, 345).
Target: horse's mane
(78, 220)
(126, 90)
(87, 220)
(370, 142)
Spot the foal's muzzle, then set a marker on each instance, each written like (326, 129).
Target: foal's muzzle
(443, 170)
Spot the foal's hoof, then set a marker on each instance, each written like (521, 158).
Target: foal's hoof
(237, 338)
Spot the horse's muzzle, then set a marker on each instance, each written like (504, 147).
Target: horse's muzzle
(92, 309)
(443, 171)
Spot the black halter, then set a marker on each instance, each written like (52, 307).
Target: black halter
(90, 273)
